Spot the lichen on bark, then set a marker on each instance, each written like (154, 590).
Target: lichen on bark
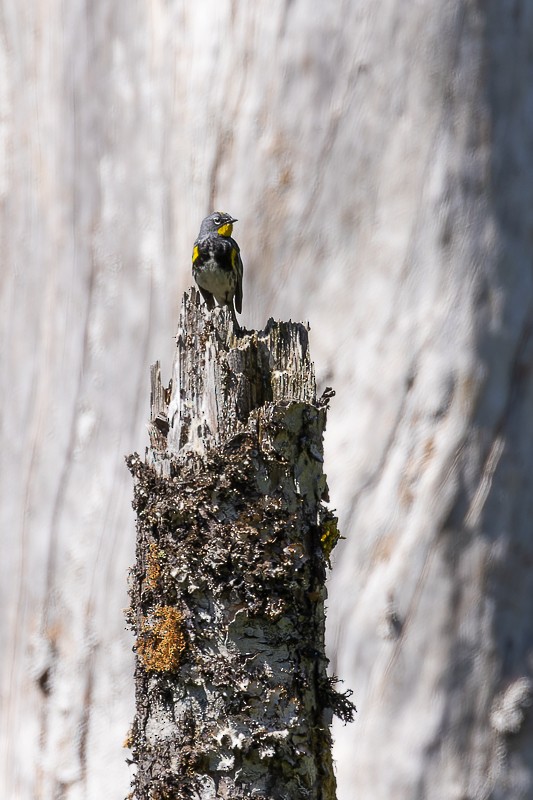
(233, 539)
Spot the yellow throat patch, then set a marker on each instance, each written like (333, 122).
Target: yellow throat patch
(226, 229)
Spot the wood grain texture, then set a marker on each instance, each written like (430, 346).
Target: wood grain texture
(378, 158)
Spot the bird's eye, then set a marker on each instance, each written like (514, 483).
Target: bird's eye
(216, 220)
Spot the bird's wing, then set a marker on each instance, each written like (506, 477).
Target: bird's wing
(238, 288)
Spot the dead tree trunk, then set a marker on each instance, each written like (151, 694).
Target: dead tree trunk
(227, 592)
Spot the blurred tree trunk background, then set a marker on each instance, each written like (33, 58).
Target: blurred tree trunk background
(379, 158)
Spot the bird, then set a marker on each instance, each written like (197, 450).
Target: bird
(217, 265)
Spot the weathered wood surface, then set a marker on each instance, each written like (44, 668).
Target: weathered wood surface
(219, 378)
(228, 588)
(378, 157)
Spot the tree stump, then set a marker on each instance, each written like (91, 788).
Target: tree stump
(227, 593)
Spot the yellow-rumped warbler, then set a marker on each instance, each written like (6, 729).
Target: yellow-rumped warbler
(217, 265)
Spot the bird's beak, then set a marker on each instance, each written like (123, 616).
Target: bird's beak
(233, 220)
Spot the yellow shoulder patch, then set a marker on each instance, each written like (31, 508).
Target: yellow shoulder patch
(195, 253)
(226, 229)
(233, 257)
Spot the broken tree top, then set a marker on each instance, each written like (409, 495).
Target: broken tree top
(220, 379)
(233, 540)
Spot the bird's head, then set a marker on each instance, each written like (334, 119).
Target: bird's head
(217, 222)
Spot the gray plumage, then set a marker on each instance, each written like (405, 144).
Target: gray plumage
(216, 264)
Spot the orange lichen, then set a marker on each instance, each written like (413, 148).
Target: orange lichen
(128, 741)
(162, 640)
(153, 567)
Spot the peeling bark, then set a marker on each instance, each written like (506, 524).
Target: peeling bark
(228, 589)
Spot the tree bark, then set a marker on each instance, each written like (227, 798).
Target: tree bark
(233, 699)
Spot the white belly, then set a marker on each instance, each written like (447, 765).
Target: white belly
(220, 283)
